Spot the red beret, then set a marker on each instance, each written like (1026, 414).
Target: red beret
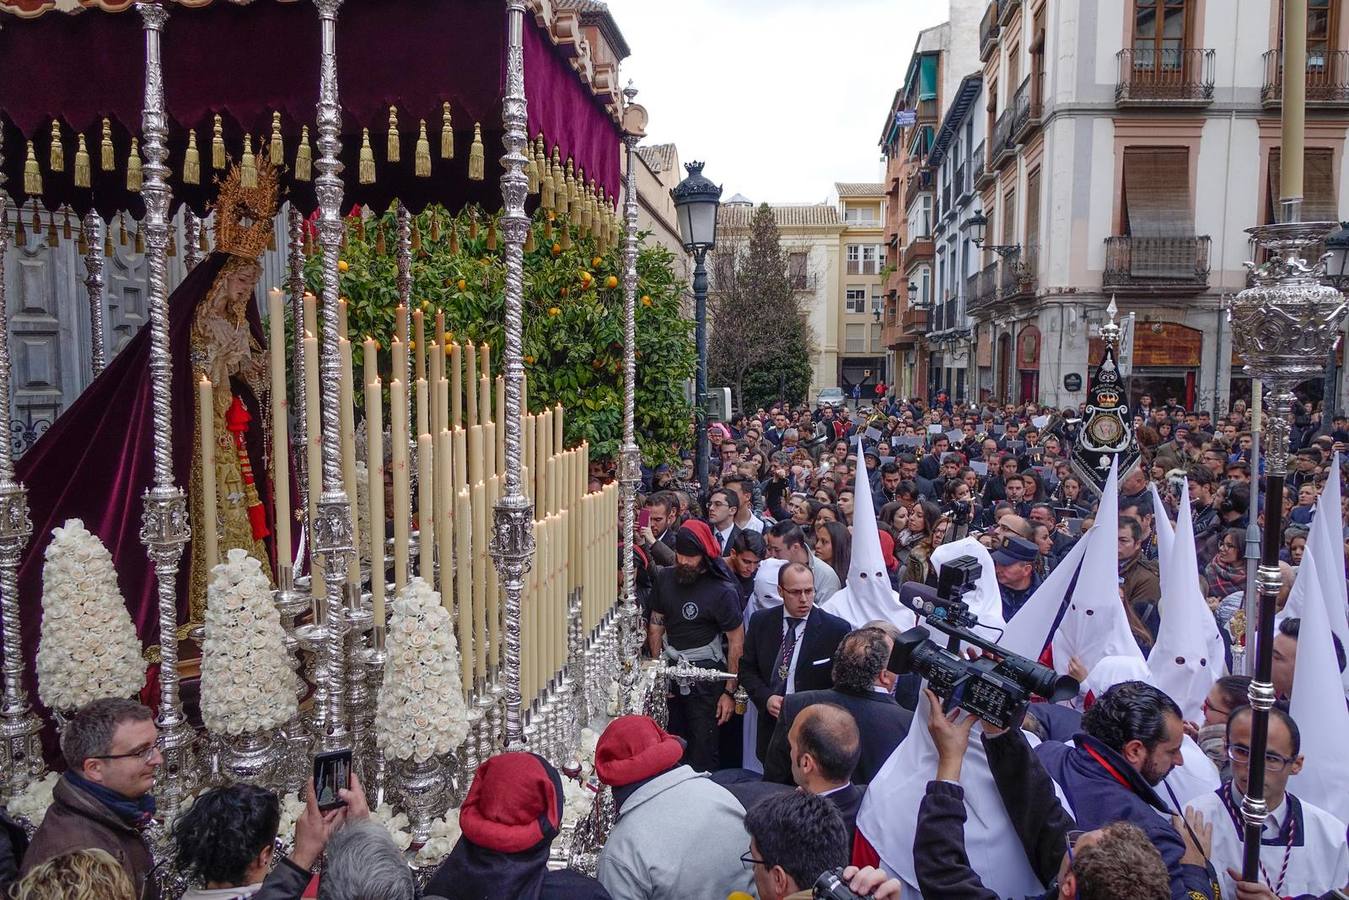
(633, 748)
(513, 804)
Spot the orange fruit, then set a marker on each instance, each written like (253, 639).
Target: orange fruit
(646, 301)
(553, 311)
(342, 265)
(611, 282)
(557, 249)
(529, 360)
(462, 284)
(596, 262)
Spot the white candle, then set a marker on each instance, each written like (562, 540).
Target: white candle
(456, 386)
(276, 317)
(374, 437)
(426, 508)
(313, 446)
(402, 499)
(471, 385)
(206, 413)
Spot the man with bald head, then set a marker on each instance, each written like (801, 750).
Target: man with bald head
(825, 746)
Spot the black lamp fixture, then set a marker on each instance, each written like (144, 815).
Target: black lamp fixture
(1337, 266)
(977, 226)
(916, 303)
(697, 202)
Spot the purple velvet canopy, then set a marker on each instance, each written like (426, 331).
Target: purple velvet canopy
(246, 62)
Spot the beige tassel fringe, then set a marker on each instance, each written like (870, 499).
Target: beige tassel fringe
(477, 158)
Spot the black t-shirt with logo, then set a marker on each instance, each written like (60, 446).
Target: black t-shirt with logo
(695, 613)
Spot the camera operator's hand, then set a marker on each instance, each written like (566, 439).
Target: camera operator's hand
(774, 705)
(871, 882)
(951, 735)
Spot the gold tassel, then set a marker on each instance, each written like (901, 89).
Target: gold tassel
(20, 233)
(52, 239)
(477, 158)
(360, 224)
(58, 159)
(82, 246)
(573, 185)
(395, 150)
(37, 220)
(423, 158)
(562, 187)
(109, 158)
(304, 157)
(32, 175)
(532, 172)
(435, 228)
(121, 229)
(278, 148)
(139, 246)
(192, 159)
(218, 144)
(381, 248)
(473, 226)
(173, 245)
(530, 244)
(202, 244)
(66, 229)
(83, 165)
(107, 244)
(454, 240)
(416, 241)
(248, 166)
(134, 177)
(492, 235)
(566, 238)
(547, 199)
(367, 165)
(446, 134)
(548, 230)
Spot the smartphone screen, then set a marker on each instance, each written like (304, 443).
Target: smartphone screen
(643, 518)
(1074, 526)
(332, 772)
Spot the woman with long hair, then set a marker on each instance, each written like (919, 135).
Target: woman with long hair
(919, 541)
(78, 875)
(1070, 496)
(896, 515)
(833, 545)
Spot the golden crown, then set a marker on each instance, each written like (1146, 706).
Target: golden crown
(246, 208)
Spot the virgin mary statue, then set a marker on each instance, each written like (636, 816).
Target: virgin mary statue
(97, 459)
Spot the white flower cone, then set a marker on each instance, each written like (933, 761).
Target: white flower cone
(245, 673)
(87, 647)
(421, 713)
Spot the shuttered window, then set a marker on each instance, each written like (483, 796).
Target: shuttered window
(1157, 192)
(1318, 186)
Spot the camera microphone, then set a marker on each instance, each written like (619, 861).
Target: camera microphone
(918, 597)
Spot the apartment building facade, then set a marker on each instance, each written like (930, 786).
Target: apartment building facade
(860, 309)
(1130, 144)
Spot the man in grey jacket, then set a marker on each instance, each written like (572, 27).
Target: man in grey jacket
(678, 834)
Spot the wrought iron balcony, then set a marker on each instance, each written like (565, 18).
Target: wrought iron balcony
(1005, 10)
(1003, 145)
(981, 288)
(1025, 111)
(1160, 265)
(988, 31)
(1180, 76)
(1327, 78)
(979, 166)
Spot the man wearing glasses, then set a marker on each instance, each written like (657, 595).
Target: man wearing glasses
(1302, 847)
(103, 799)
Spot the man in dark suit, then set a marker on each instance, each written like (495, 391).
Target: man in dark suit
(862, 686)
(722, 507)
(788, 648)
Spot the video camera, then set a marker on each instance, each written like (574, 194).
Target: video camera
(996, 687)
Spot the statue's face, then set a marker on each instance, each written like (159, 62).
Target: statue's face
(240, 280)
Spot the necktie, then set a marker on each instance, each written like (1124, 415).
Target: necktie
(721, 542)
(785, 654)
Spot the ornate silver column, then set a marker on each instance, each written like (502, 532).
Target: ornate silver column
(164, 527)
(1283, 326)
(20, 749)
(513, 526)
(93, 282)
(630, 458)
(334, 542)
(295, 284)
(191, 239)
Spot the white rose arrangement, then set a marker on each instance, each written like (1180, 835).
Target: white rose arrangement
(31, 805)
(245, 675)
(444, 831)
(87, 648)
(444, 835)
(422, 713)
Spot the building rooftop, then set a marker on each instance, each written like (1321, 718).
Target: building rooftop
(859, 189)
(660, 158)
(594, 12)
(786, 215)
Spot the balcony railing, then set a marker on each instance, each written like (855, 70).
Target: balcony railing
(978, 166)
(1003, 145)
(960, 185)
(1158, 264)
(981, 289)
(1175, 76)
(1327, 77)
(920, 247)
(1025, 110)
(1005, 10)
(946, 200)
(918, 183)
(988, 31)
(803, 281)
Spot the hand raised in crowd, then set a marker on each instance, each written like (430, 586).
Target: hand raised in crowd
(1076, 670)
(313, 828)
(871, 882)
(1196, 853)
(354, 797)
(646, 536)
(951, 734)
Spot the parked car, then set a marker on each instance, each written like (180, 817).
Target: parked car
(831, 396)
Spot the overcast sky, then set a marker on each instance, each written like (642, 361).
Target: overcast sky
(781, 98)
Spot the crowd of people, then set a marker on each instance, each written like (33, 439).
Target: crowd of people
(840, 771)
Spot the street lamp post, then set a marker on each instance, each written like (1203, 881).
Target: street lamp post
(697, 201)
(977, 225)
(1337, 275)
